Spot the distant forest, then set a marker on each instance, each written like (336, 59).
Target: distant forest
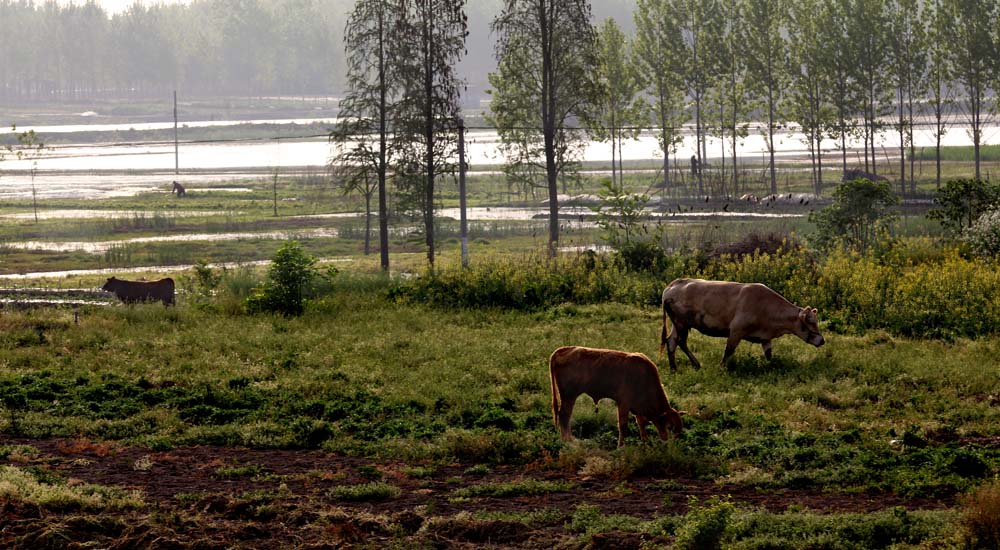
(52, 52)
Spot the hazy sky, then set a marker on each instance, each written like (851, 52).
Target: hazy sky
(115, 6)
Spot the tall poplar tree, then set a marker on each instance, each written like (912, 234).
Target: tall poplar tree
(544, 82)
(938, 77)
(766, 54)
(656, 48)
(972, 52)
(699, 23)
(618, 111)
(806, 101)
(840, 67)
(366, 110)
(907, 45)
(869, 32)
(432, 33)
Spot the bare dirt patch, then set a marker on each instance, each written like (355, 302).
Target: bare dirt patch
(210, 497)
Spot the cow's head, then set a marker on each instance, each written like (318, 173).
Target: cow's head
(110, 284)
(669, 423)
(808, 327)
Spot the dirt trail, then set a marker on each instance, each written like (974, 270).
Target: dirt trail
(204, 496)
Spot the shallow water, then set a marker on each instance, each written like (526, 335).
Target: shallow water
(98, 247)
(71, 171)
(100, 214)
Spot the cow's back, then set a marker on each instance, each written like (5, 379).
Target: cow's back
(631, 378)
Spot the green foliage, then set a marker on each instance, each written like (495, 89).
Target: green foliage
(587, 519)
(983, 236)
(705, 524)
(527, 286)
(291, 273)
(858, 217)
(365, 492)
(526, 487)
(960, 202)
(795, 530)
(23, 485)
(619, 214)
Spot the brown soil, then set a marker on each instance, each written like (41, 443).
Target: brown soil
(285, 501)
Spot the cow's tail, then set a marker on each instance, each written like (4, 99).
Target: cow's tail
(663, 330)
(555, 390)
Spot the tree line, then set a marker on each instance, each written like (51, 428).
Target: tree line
(836, 69)
(66, 52)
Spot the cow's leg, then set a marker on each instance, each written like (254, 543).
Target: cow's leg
(731, 343)
(641, 422)
(766, 345)
(682, 341)
(622, 424)
(672, 349)
(565, 412)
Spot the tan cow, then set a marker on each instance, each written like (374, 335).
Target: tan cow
(630, 379)
(736, 311)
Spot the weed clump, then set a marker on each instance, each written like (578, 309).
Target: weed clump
(705, 525)
(373, 491)
(981, 517)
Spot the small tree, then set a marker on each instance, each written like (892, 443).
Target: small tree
(858, 217)
(620, 216)
(962, 201)
(288, 279)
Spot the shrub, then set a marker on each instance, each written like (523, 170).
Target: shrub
(858, 217)
(705, 525)
(984, 234)
(961, 201)
(288, 279)
(981, 517)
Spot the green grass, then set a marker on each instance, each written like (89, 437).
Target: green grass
(526, 487)
(373, 491)
(33, 487)
(868, 412)
(987, 153)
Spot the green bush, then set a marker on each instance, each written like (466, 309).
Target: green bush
(291, 273)
(962, 201)
(705, 525)
(530, 284)
(859, 216)
(983, 236)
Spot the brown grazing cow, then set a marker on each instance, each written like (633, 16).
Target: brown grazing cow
(736, 311)
(131, 292)
(630, 379)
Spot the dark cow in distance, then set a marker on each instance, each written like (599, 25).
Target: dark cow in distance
(631, 380)
(131, 292)
(859, 174)
(735, 311)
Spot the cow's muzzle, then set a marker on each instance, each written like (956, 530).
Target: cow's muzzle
(817, 340)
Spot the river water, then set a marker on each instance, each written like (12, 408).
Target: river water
(108, 170)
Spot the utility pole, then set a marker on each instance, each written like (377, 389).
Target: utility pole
(463, 222)
(177, 163)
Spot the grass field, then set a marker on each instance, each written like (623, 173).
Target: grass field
(437, 402)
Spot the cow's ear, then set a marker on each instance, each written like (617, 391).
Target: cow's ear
(682, 413)
(803, 312)
(815, 311)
